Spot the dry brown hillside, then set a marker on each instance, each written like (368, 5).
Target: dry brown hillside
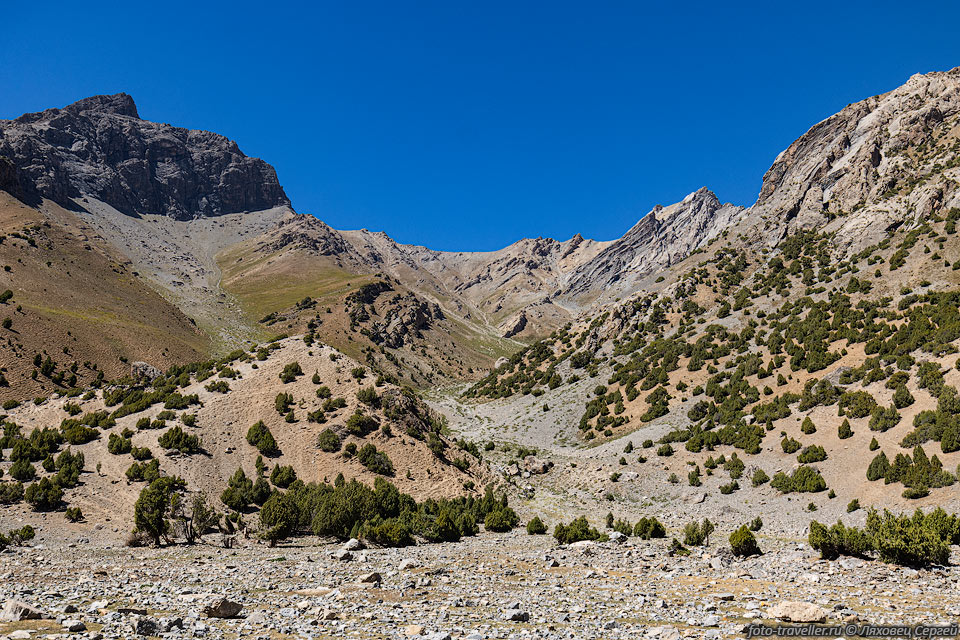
(76, 301)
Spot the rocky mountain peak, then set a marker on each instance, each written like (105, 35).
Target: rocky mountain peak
(118, 104)
(662, 237)
(99, 148)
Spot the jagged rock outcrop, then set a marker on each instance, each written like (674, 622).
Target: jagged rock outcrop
(514, 325)
(405, 316)
(877, 163)
(309, 234)
(99, 147)
(664, 236)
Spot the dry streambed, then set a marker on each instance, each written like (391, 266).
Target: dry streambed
(492, 586)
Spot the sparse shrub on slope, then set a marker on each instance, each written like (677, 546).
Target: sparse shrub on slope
(535, 526)
(44, 495)
(649, 528)
(839, 540)
(374, 460)
(328, 441)
(803, 480)
(743, 543)
(579, 529)
(177, 439)
(260, 437)
(696, 534)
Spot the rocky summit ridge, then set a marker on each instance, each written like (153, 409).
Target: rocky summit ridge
(99, 147)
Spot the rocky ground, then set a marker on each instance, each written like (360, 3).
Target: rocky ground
(491, 586)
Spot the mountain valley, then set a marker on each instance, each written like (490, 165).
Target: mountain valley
(188, 360)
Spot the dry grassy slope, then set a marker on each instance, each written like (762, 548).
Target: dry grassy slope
(76, 293)
(269, 279)
(222, 424)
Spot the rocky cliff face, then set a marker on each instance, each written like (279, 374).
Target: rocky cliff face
(99, 147)
(876, 164)
(664, 236)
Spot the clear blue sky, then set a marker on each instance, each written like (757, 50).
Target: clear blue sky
(468, 125)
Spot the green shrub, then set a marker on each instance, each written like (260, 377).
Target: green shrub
(283, 402)
(141, 453)
(696, 534)
(743, 543)
(360, 425)
(260, 437)
(730, 487)
(789, 445)
(390, 532)
(69, 465)
(118, 445)
(143, 472)
(760, 477)
(44, 495)
(177, 401)
(902, 397)
(283, 477)
(77, 433)
(838, 540)
(279, 517)
(649, 528)
(579, 529)
(813, 453)
(369, 397)
(239, 492)
(374, 460)
(882, 419)
(73, 514)
(23, 471)
(920, 540)
(290, 372)
(803, 480)
(177, 439)
(536, 527)
(11, 492)
(218, 386)
(501, 520)
(152, 511)
(853, 505)
(844, 431)
(734, 466)
(328, 441)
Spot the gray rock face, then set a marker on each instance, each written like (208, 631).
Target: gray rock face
(664, 236)
(144, 370)
(100, 147)
(853, 173)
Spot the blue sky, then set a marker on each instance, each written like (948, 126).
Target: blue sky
(470, 125)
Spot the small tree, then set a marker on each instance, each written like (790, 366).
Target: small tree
(278, 518)
(153, 508)
(259, 436)
(536, 527)
(743, 543)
